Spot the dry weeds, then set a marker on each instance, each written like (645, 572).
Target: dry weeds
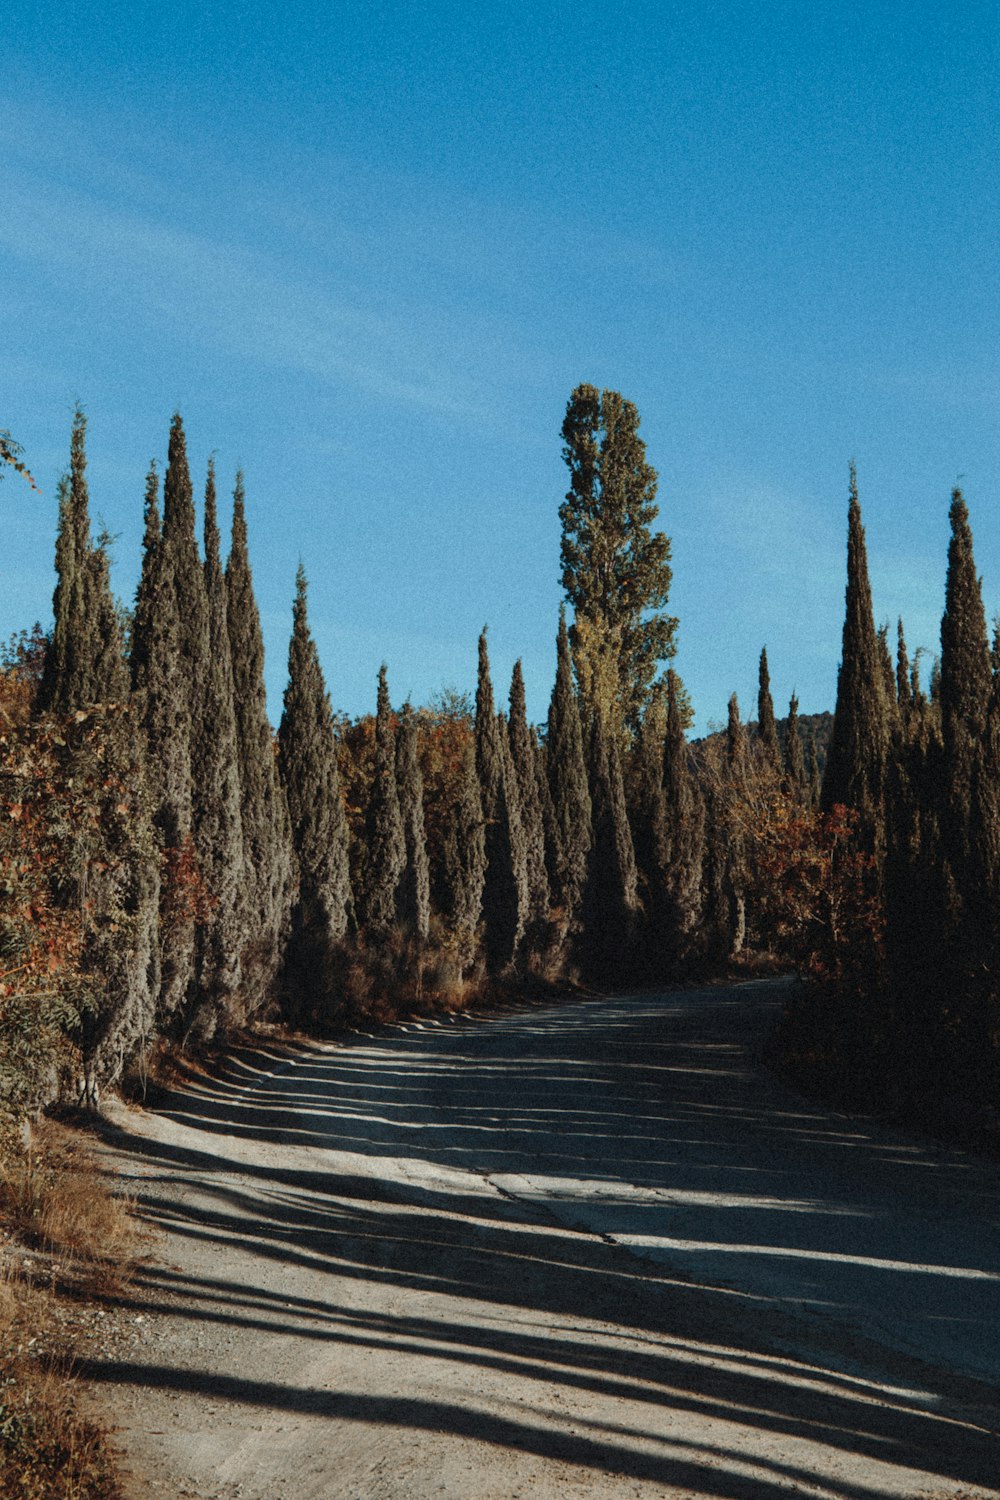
(53, 1200)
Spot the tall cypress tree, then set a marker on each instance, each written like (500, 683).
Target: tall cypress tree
(795, 766)
(610, 897)
(464, 861)
(146, 598)
(523, 752)
(567, 772)
(414, 901)
(86, 662)
(856, 759)
(766, 726)
(683, 834)
(966, 681)
(164, 694)
(736, 739)
(815, 777)
(215, 769)
(307, 762)
(646, 809)
(187, 580)
(904, 690)
(268, 874)
(730, 853)
(505, 888)
(115, 887)
(385, 859)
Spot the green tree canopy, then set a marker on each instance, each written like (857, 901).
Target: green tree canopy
(615, 567)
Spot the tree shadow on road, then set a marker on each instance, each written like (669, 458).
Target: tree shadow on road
(625, 1096)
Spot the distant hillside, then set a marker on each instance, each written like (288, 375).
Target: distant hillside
(820, 725)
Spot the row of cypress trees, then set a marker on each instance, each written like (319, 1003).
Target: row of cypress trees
(576, 849)
(922, 772)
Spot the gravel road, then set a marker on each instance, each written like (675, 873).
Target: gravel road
(575, 1250)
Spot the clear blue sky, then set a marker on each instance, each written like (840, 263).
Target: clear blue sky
(368, 251)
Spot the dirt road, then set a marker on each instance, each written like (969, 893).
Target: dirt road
(583, 1250)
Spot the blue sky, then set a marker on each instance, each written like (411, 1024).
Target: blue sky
(368, 252)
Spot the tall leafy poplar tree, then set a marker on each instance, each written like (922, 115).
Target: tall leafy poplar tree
(307, 762)
(615, 567)
(766, 725)
(215, 768)
(386, 844)
(567, 772)
(966, 681)
(505, 888)
(856, 759)
(268, 875)
(414, 901)
(86, 662)
(523, 753)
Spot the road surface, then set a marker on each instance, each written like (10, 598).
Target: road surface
(580, 1250)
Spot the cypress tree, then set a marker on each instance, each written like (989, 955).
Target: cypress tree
(464, 862)
(815, 782)
(307, 763)
(736, 740)
(904, 690)
(888, 679)
(57, 669)
(215, 770)
(646, 797)
(965, 686)
(733, 858)
(766, 726)
(683, 833)
(86, 662)
(505, 888)
(161, 678)
(966, 675)
(146, 598)
(523, 752)
(795, 766)
(116, 886)
(567, 772)
(268, 873)
(856, 759)
(187, 580)
(385, 841)
(187, 574)
(550, 828)
(610, 895)
(415, 886)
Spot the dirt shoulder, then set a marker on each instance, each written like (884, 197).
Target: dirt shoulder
(445, 1260)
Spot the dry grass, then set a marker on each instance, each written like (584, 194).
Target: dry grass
(53, 1199)
(48, 1449)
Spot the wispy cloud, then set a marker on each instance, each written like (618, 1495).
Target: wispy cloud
(222, 294)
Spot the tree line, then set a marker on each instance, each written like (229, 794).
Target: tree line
(171, 867)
